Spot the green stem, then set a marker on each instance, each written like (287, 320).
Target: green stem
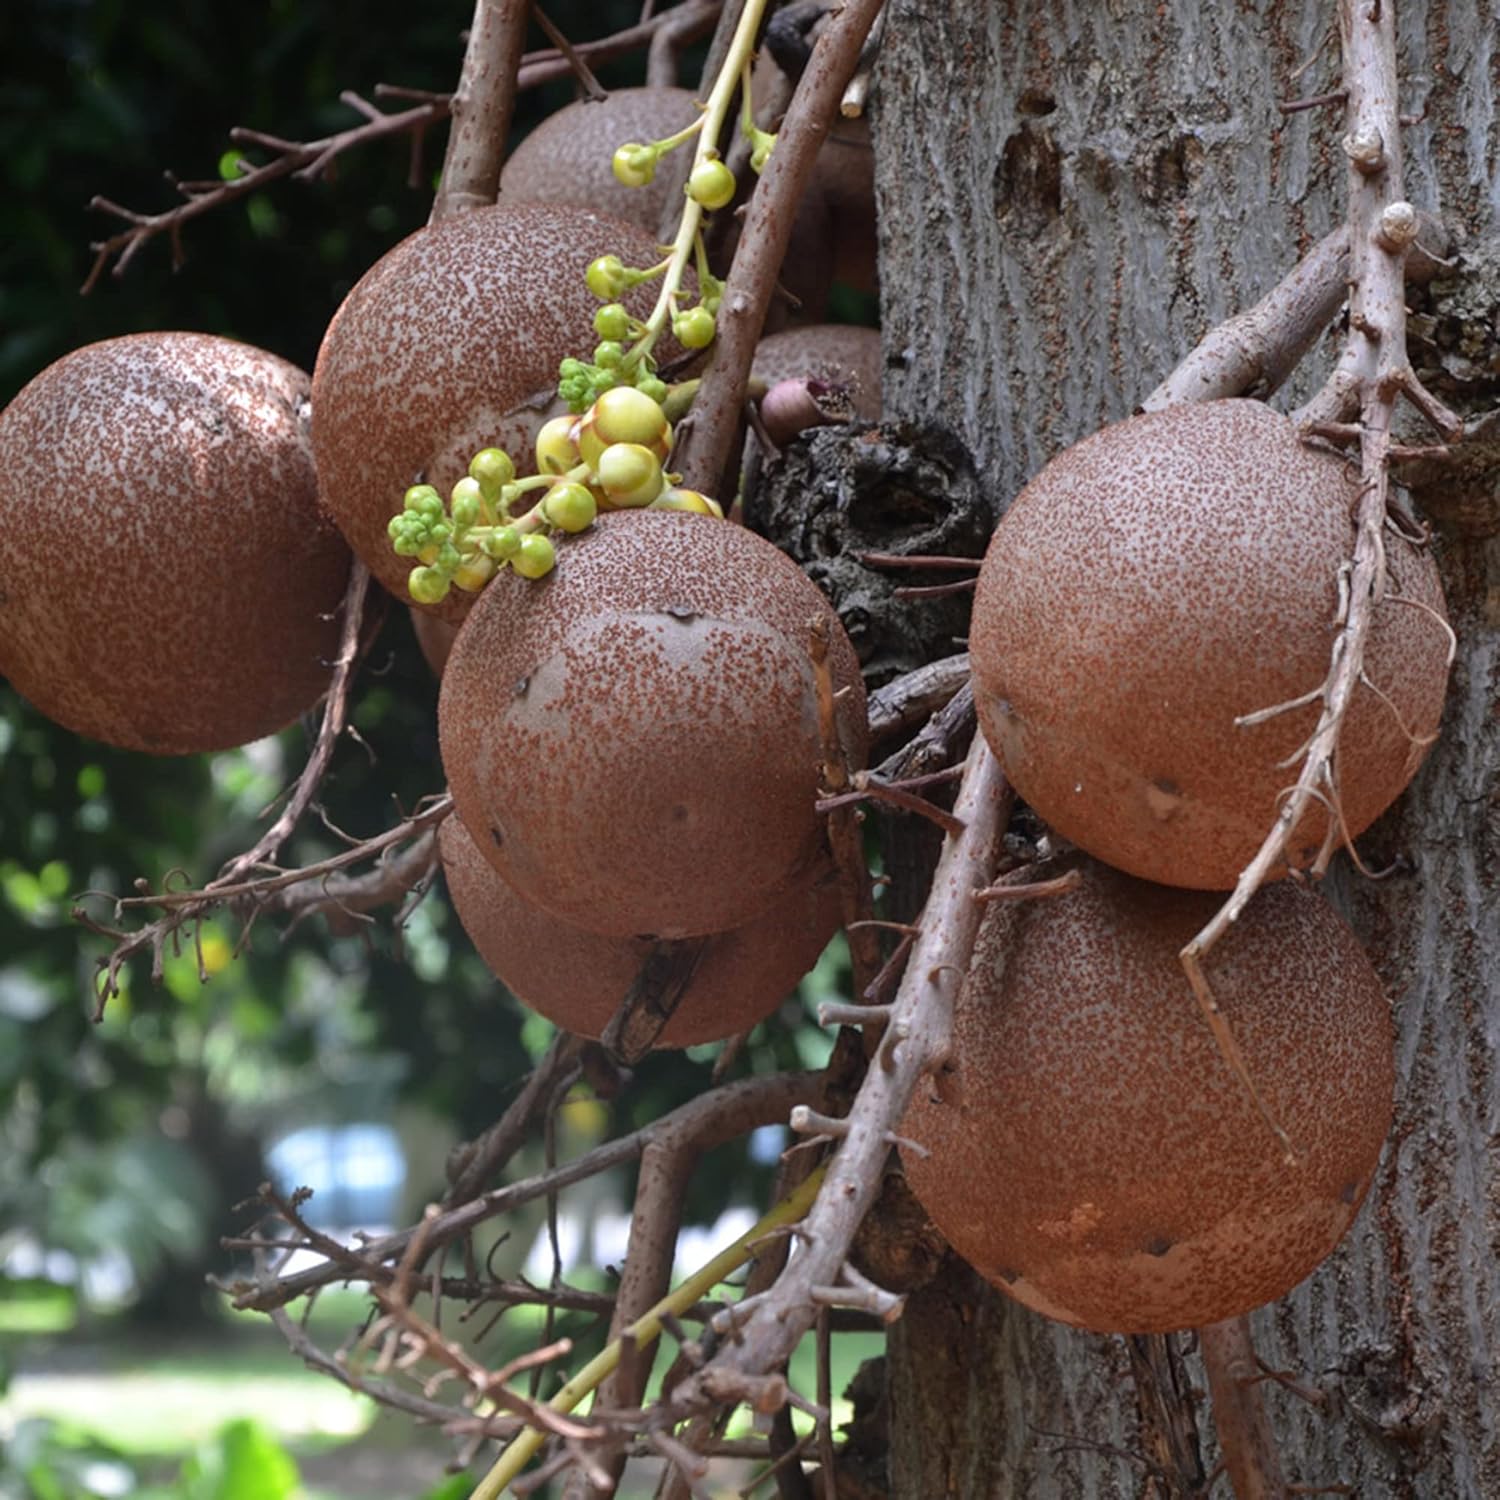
(709, 128)
(791, 1210)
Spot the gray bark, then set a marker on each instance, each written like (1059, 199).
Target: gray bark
(1070, 195)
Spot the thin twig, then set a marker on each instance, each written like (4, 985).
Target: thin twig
(1245, 1435)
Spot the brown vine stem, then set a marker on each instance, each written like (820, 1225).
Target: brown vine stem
(1245, 1435)
(1372, 373)
(914, 1043)
(707, 435)
(481, 107)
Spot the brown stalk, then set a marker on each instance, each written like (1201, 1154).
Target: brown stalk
(481, 107)
(1246, 1438)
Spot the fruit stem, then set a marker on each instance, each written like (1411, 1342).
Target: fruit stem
(646, 1329)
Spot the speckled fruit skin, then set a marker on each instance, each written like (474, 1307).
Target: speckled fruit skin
(826, 351)
(632, 741)
(167, 577)
(1092, 1154)
(567, 158)
(448, 344)
(578, 979)
(1152, 583)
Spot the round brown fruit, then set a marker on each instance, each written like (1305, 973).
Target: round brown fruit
(449, 344)
(577, 979)
(1158, 580)
(168, 580)
(566, 159)
(1092, 1154)
(633, 742)
(435, 638)
(838, 353)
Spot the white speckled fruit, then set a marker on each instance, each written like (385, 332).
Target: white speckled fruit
(577, 979)
(451, 343)
(168, 580)
(1090, 1151)
(633, 740)
(1158, 580)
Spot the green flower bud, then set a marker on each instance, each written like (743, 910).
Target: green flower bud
(492, 467)
(711, 183)
(608, 280)
(570, 507)
(630, 474)
(420, 498)
(536, 558)
(467, 500)
(694, 329)
(608, 355)
(650, 385)
(612, 322)
(427, 585)
(633, 164)
(503, 544)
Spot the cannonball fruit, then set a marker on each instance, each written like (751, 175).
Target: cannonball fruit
(633, 741)
(449, 344)
(1155, 582)
(567, 158)
(1093, 1155)
(577, 979)
(168, 580)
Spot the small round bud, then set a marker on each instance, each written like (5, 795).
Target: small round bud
(427, 585)
(502, 544)
(711, 183)
(652, 386)
(687, 500)
(612, 322)
(536, 558)
(608, 354)
(630, 474)
(607, 278)
(556, 451)
(492, 467)
(473, 573)
(466, 500)
(419, 500)
(570, 507)
(694, 329)
(633, 164)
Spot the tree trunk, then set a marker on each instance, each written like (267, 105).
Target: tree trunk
(1070, 196)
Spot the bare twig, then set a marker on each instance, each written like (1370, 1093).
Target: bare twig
(481, 107)
(744, 1100)
(1372, 373)
(914, 1043)
(581, 70)
(1245, 1435)
(707, 436)
(905, 702)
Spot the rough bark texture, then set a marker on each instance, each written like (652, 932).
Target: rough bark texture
(1070, 196)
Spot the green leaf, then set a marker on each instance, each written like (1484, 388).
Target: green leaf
(243, 1462)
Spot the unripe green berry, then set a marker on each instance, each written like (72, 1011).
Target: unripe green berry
(556, 451)
(612, 322)
(570, 507)
(694, 329)
(607, 278)
(630, 475)
(711, 183)
(536, 557)
(492, 467)
(427, 586)
(633, 164)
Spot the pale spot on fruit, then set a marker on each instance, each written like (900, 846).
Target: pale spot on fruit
(1163, 798)
(1078, 1225)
